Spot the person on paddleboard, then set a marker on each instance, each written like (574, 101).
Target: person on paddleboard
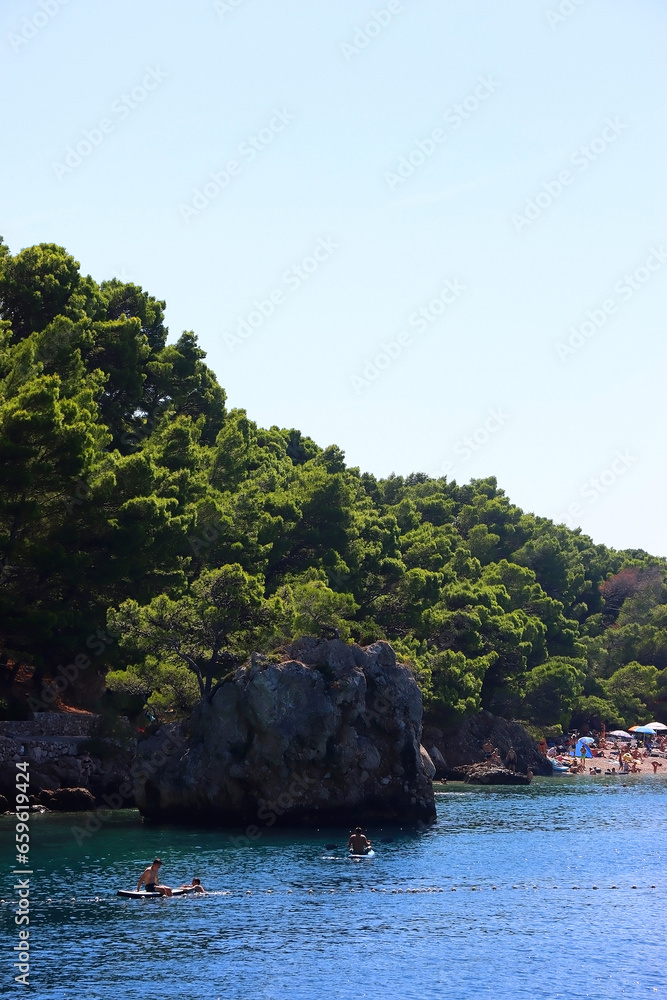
(151, 880)
(358, 842)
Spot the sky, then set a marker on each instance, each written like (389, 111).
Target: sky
(433, 233)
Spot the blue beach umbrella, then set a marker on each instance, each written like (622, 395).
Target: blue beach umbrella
(642, 729)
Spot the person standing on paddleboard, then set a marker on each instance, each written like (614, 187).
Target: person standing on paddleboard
(151, 880)
(358, 843)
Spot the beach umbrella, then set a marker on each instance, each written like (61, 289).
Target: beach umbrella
(621, 733)
(656, 725)
(586, 739)
(642, 729)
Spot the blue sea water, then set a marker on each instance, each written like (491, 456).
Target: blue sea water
(483, 904)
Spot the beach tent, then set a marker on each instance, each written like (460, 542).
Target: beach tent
(583, 742)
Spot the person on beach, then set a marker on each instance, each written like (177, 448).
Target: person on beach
(358, 842)
(195, 886)
(487, 748)
(542, 747)
(655, 764)
(510, 760)
(151, 880)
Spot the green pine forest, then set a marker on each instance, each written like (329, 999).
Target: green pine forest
(152, 540)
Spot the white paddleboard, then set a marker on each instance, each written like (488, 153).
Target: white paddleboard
(360, 857)
(142, 894)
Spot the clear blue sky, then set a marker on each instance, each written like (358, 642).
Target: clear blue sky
(316, 118)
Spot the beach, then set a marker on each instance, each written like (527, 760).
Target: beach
(608, 760)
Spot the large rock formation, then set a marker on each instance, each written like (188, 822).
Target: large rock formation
(329, 736)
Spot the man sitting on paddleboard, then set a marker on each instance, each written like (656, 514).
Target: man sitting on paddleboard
(358, 843)
(151, 880)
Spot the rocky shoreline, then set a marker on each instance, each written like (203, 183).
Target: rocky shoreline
(65, 775)
(331, 735)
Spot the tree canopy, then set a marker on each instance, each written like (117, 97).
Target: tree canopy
(129, 491)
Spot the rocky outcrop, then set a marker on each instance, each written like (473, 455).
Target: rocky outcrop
(490, 774)
(329, 736)
(462, 746)
(68, 799)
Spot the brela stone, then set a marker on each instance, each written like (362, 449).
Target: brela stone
(259, 751)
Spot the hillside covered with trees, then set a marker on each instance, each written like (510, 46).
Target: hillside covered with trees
(154, 538)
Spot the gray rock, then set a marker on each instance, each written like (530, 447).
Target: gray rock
(483, 774)
(258, 751)
(438, 760)
(429, 766)
(72, 800)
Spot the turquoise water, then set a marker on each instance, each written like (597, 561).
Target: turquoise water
(288, 918)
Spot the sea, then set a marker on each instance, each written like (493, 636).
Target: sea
(557, 889)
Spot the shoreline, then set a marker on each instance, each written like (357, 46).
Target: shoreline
(661, 775)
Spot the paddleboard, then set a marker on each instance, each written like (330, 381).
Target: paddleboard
(360, 857)
(142, 894)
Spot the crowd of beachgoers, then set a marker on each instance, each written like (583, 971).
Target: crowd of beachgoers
(608, 754)
(599, 753)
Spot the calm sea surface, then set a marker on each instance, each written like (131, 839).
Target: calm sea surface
(288, 918)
